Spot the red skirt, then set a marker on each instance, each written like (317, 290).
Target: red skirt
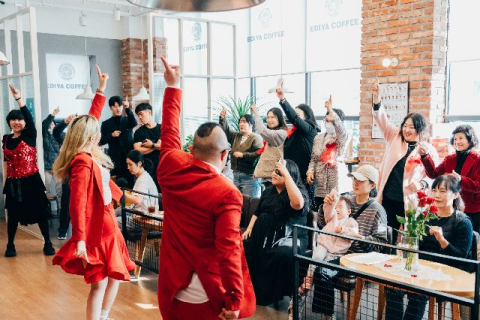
(110, 259)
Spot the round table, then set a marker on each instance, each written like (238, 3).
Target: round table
(148, 224)
(462, 283)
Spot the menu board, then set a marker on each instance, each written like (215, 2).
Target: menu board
(394, 97)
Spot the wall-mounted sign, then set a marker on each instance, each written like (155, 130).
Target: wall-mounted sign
(67, 76)
(394, 97)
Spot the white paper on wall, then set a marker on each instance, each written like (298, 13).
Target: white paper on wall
(394, 97)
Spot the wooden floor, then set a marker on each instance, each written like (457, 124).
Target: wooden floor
(31, 288)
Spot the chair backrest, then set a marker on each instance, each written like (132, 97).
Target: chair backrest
(312, 219)
(475, 246)
(245, 209)
(390, 240)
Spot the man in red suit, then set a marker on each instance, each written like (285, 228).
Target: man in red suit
(203, 272)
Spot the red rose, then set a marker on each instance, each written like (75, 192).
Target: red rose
(425, 213)
(422, 202)
(421, 194)
(430, 200)
(433, 209)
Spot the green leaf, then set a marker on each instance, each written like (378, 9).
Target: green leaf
(401, 219)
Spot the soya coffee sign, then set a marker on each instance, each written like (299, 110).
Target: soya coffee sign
(67, 77)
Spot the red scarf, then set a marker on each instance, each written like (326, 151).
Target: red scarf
(260, 151)
(291, 131)
(329, 156)
(411, 163)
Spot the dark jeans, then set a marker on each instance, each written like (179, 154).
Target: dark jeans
(393, 208)
(475, 218)
(64, 211)
(415, 308)
(324, 294)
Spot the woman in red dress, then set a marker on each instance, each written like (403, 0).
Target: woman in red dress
(24, 190)
(97, 249)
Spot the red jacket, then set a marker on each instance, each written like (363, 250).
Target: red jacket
(201, 228)
(86, 191)
(470, 177)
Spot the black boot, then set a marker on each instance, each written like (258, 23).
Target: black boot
(10, 252)
(48, 249)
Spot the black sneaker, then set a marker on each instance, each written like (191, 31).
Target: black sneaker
(10, 252)
(48, 249)
(62, 236)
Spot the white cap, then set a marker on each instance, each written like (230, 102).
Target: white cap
(366, 172)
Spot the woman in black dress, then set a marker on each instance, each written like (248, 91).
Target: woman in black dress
(268, 247)
(24, 190)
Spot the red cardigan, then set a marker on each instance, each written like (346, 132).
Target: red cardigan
(201, 230)
(470, 177)
(86, 191)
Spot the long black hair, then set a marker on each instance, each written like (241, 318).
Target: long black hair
(137, 157)
(309, 115)
(453, 184)
(469, 133)
(419, 123)
(281, 119)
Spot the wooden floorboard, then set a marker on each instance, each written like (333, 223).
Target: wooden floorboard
(32, 288)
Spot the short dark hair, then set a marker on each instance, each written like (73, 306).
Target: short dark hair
(469, 133)
(206, 129)
(419, 123)
(14, 115)
(281, 119)
(249, 119)
(453, 184)
(113, 100)
(143, 106)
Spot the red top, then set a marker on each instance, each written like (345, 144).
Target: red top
(201, 230)
(470, 177)
(21, 161)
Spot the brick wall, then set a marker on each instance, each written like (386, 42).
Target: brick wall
(132, 60)
(414, 32)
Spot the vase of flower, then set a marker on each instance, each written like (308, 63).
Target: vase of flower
(414, 225)
(410, 258)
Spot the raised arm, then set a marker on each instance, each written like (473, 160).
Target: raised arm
(430, 170)
(341, 133)
(172, 101)
(294, 194)
(329, 211)
(389, 131)
(132, 122)
(300, 124)
(99, 99)
(222, 120)
(274, 138)
(29, 131)
(48, 121)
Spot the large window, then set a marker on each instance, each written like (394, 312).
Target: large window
(463, 63)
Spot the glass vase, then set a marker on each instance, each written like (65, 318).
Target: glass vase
(410, 258)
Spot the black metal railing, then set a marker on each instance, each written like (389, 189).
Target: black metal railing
(303, 306)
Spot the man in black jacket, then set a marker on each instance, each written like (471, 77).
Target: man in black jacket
(117, 132)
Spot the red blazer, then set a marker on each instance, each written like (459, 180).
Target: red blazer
(470, 177)
(86, 191)
(201, 230)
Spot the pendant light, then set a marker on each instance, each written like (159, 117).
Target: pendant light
(280, 80)
(87, 93)
(3, 59)
(143, 93)
(196, 5)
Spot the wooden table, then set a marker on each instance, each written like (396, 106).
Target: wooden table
(462, 284)
(148, 224)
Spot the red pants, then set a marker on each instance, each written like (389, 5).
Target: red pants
(180, 310)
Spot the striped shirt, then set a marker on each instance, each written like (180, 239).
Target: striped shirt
(368, 224)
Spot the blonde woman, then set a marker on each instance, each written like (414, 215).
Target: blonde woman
(97, 249)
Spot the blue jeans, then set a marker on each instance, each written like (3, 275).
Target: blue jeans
(247, 184)
(415, 308)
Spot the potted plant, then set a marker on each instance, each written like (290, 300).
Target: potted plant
(188, 143)
(236, 108)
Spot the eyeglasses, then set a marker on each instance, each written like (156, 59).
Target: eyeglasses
(227, 149)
